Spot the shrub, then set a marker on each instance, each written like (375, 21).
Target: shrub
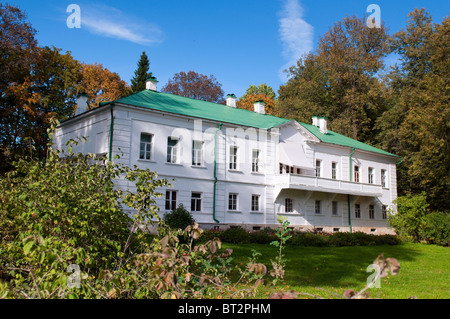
(179, 218)
(309, 239)
(235, 235)
(265, 236)
(409, 219)
(437, 228)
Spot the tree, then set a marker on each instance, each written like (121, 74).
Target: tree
(248, 102)
(195, 86)
(261, 89)
(141, 74)
(101, 85)
(17, 55)
(340, 80)
(255, 93)
(417, 125)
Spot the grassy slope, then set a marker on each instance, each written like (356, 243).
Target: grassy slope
(329, 271)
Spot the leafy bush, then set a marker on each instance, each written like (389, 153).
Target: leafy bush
(179, 218)
(409, 219)
(436, 228)
(235, 235)
(65, 234)
(309, 239)
(264, 236)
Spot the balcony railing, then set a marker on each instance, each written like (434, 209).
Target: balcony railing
(305, 182)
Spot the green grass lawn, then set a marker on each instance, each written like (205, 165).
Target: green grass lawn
(329, 271)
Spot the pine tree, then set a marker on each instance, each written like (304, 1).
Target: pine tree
(141, 74)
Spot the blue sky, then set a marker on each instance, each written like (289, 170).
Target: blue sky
(241, 43)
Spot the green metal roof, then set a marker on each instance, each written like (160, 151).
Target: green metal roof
(171, 103)
(196, 108)
(338, 139)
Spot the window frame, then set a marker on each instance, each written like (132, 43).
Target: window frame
(197, 154)
(356, 173)
(256, 167)
(371, 211)
(384, 212)
(370, 175)
(170, 201)
(233, 201)
(255, 203)
(334, 208)
(233, 157)
(173, 151)
(318, 207)
(150, 144)
(357, 211)
(383, 178)
(318, 168)
(334, 170)
(288, 205)
(196, 202)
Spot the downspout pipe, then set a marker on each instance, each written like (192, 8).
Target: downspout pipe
(111, 130)
(215, 173)
(348, 195)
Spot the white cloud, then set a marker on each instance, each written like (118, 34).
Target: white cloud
(296, 34)
(111, 22)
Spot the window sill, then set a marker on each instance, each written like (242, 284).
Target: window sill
(290, 213)
(175, 164)
(258, 173)
(234, 211)
(235, 171)
(256, 212)
(199, 166)
(146, 160)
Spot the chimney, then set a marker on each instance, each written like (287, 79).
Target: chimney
(231, 100)
(82, 105)
(323, 125)
(150, 83)
(259, 107)
(315, 120)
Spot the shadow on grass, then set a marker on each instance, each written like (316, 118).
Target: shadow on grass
(325, 266)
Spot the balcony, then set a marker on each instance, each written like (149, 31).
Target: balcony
(319, 184)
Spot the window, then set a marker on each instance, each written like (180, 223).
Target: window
(383, 178)
(318, 168)
(317, 207)
(281, 168)
(371, 212)
(370, 175)
(356, 178)
(146, 146)
(255, 203)
(384, 212)
(233, 157)
(255, 161)
(172, 150)
(197, 153)
(334, 208)
(334, 170)
(288, 205)
(196, 202)
(357, 211)
(232, 201)
(171, 200)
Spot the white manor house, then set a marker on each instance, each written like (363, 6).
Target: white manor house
(234, 167)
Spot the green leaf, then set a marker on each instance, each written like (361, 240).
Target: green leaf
(27, 247)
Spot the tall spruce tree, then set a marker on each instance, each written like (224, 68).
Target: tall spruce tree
(141, 74)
